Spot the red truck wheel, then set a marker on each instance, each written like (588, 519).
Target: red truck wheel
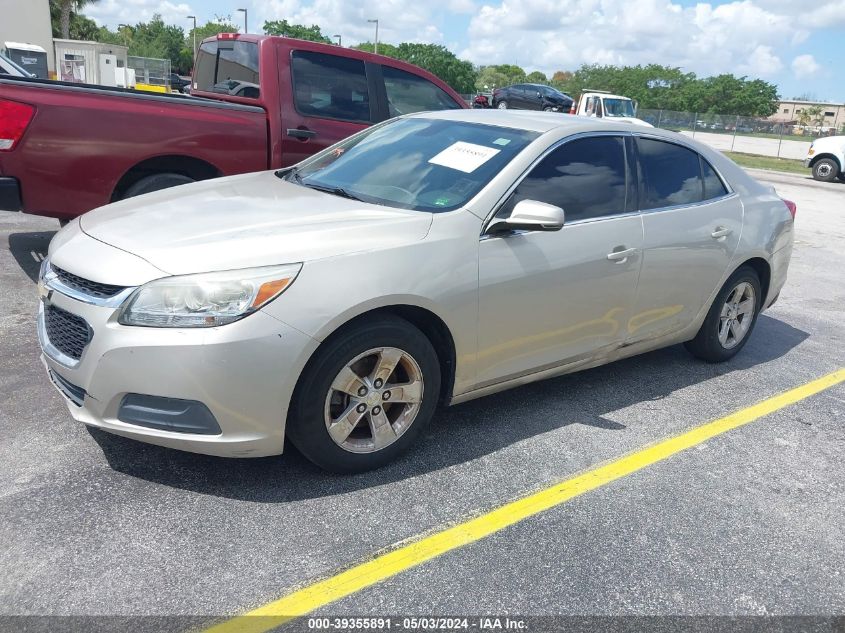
(156, 182)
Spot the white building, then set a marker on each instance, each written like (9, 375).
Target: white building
(29, 23)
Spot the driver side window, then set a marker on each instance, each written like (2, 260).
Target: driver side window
(585, 177)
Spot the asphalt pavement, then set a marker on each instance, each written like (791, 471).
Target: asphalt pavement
(749, 523)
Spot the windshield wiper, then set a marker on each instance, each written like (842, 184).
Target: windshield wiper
(337, 191)
(285, 174)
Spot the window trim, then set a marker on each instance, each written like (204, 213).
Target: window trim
(559, 143)
(634, 134)
(374, 110)
(655, 137)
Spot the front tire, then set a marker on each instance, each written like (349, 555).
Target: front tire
(503, 105)
(365, 396)
(731, 318)
(825, 170)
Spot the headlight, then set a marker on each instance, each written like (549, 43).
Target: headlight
(208, 299)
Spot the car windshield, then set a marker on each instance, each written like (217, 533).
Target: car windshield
(415, 163)
(618, 107)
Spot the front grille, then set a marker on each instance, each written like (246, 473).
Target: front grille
(67, 332)
(86, 286)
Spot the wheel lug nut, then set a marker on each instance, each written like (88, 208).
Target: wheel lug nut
(362, 391)
(361, 408)
(376, 410)
(378, 383)
(386, 395)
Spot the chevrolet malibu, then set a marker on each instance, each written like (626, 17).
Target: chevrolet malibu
(434, 258)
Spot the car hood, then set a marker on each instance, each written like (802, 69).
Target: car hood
(244, 221)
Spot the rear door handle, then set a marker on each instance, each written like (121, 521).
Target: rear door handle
(302, 134)
(621, 256)
(720, 232)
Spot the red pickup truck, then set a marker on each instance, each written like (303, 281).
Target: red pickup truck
(257, 103)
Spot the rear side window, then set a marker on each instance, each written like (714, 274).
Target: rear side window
(330, 87)
(585, 177)
(408, 93)
(713, 185)
(228, 67)
(671, 175)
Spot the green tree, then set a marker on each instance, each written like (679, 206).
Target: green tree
(536, 77)
(71, 25)
(489, 78)
(436, 59)
(515, 74)
(157, 39)
(815, 115)
(300, 32)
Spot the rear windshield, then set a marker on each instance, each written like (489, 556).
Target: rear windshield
(228, 67)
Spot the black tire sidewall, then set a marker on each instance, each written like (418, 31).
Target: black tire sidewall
(306, 426)
(156, 182)
(834, 170)
(706, 344)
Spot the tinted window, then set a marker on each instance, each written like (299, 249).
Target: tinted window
(408, 93)
(329, 86)
(585, 177)
(713, 185)
(671, 174)
(228, 68)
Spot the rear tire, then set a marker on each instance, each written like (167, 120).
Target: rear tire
(156, 182)
(825, 170)
(502, 105)
(730, 320)
(341, 405)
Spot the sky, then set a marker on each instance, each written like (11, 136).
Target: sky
(798, 46)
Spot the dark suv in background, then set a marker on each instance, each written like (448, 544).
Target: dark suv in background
(531, 97)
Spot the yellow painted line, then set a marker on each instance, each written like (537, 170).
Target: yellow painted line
(321, 593)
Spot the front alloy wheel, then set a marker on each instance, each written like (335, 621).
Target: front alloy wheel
(365, 396)
(374, 400)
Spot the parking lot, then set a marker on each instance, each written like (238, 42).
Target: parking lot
(742, 523)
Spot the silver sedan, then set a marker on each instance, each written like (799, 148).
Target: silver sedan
(428, 260)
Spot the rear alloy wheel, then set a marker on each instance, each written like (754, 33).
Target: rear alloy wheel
(731, 318)
(503, 105)
(825, 170)
(366, 396)
(547, 109)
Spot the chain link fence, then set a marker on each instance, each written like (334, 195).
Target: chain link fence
(748, 135)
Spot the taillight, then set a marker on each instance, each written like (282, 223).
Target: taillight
(791, 206)
(14, 119)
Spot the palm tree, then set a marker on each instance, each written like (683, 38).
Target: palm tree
(67, 7)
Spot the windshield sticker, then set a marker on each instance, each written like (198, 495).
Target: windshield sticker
(465, 157)
(501, 141)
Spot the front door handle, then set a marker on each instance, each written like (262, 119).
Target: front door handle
(620, 257)
(720, 232)
(301, 134)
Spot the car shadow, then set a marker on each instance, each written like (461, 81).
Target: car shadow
(29, 249)
(457, 434)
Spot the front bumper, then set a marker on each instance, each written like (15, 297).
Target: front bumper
(807, 162)
(244, 373)
(10, 194)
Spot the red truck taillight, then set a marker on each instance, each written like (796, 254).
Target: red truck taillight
(14, 119)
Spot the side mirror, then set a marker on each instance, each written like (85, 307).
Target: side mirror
(529, 215)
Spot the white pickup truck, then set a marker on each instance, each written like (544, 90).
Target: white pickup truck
(826, 157)
(602, 104)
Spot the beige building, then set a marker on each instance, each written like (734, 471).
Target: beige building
(27, 22)
(790, 111)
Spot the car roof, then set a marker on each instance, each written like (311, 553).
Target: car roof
(533, 120)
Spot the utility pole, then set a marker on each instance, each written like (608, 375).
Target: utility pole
(375, 49)
(246, 28)
(194, 32)
(124, 26)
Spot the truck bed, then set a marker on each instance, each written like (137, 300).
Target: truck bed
(87, 144)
